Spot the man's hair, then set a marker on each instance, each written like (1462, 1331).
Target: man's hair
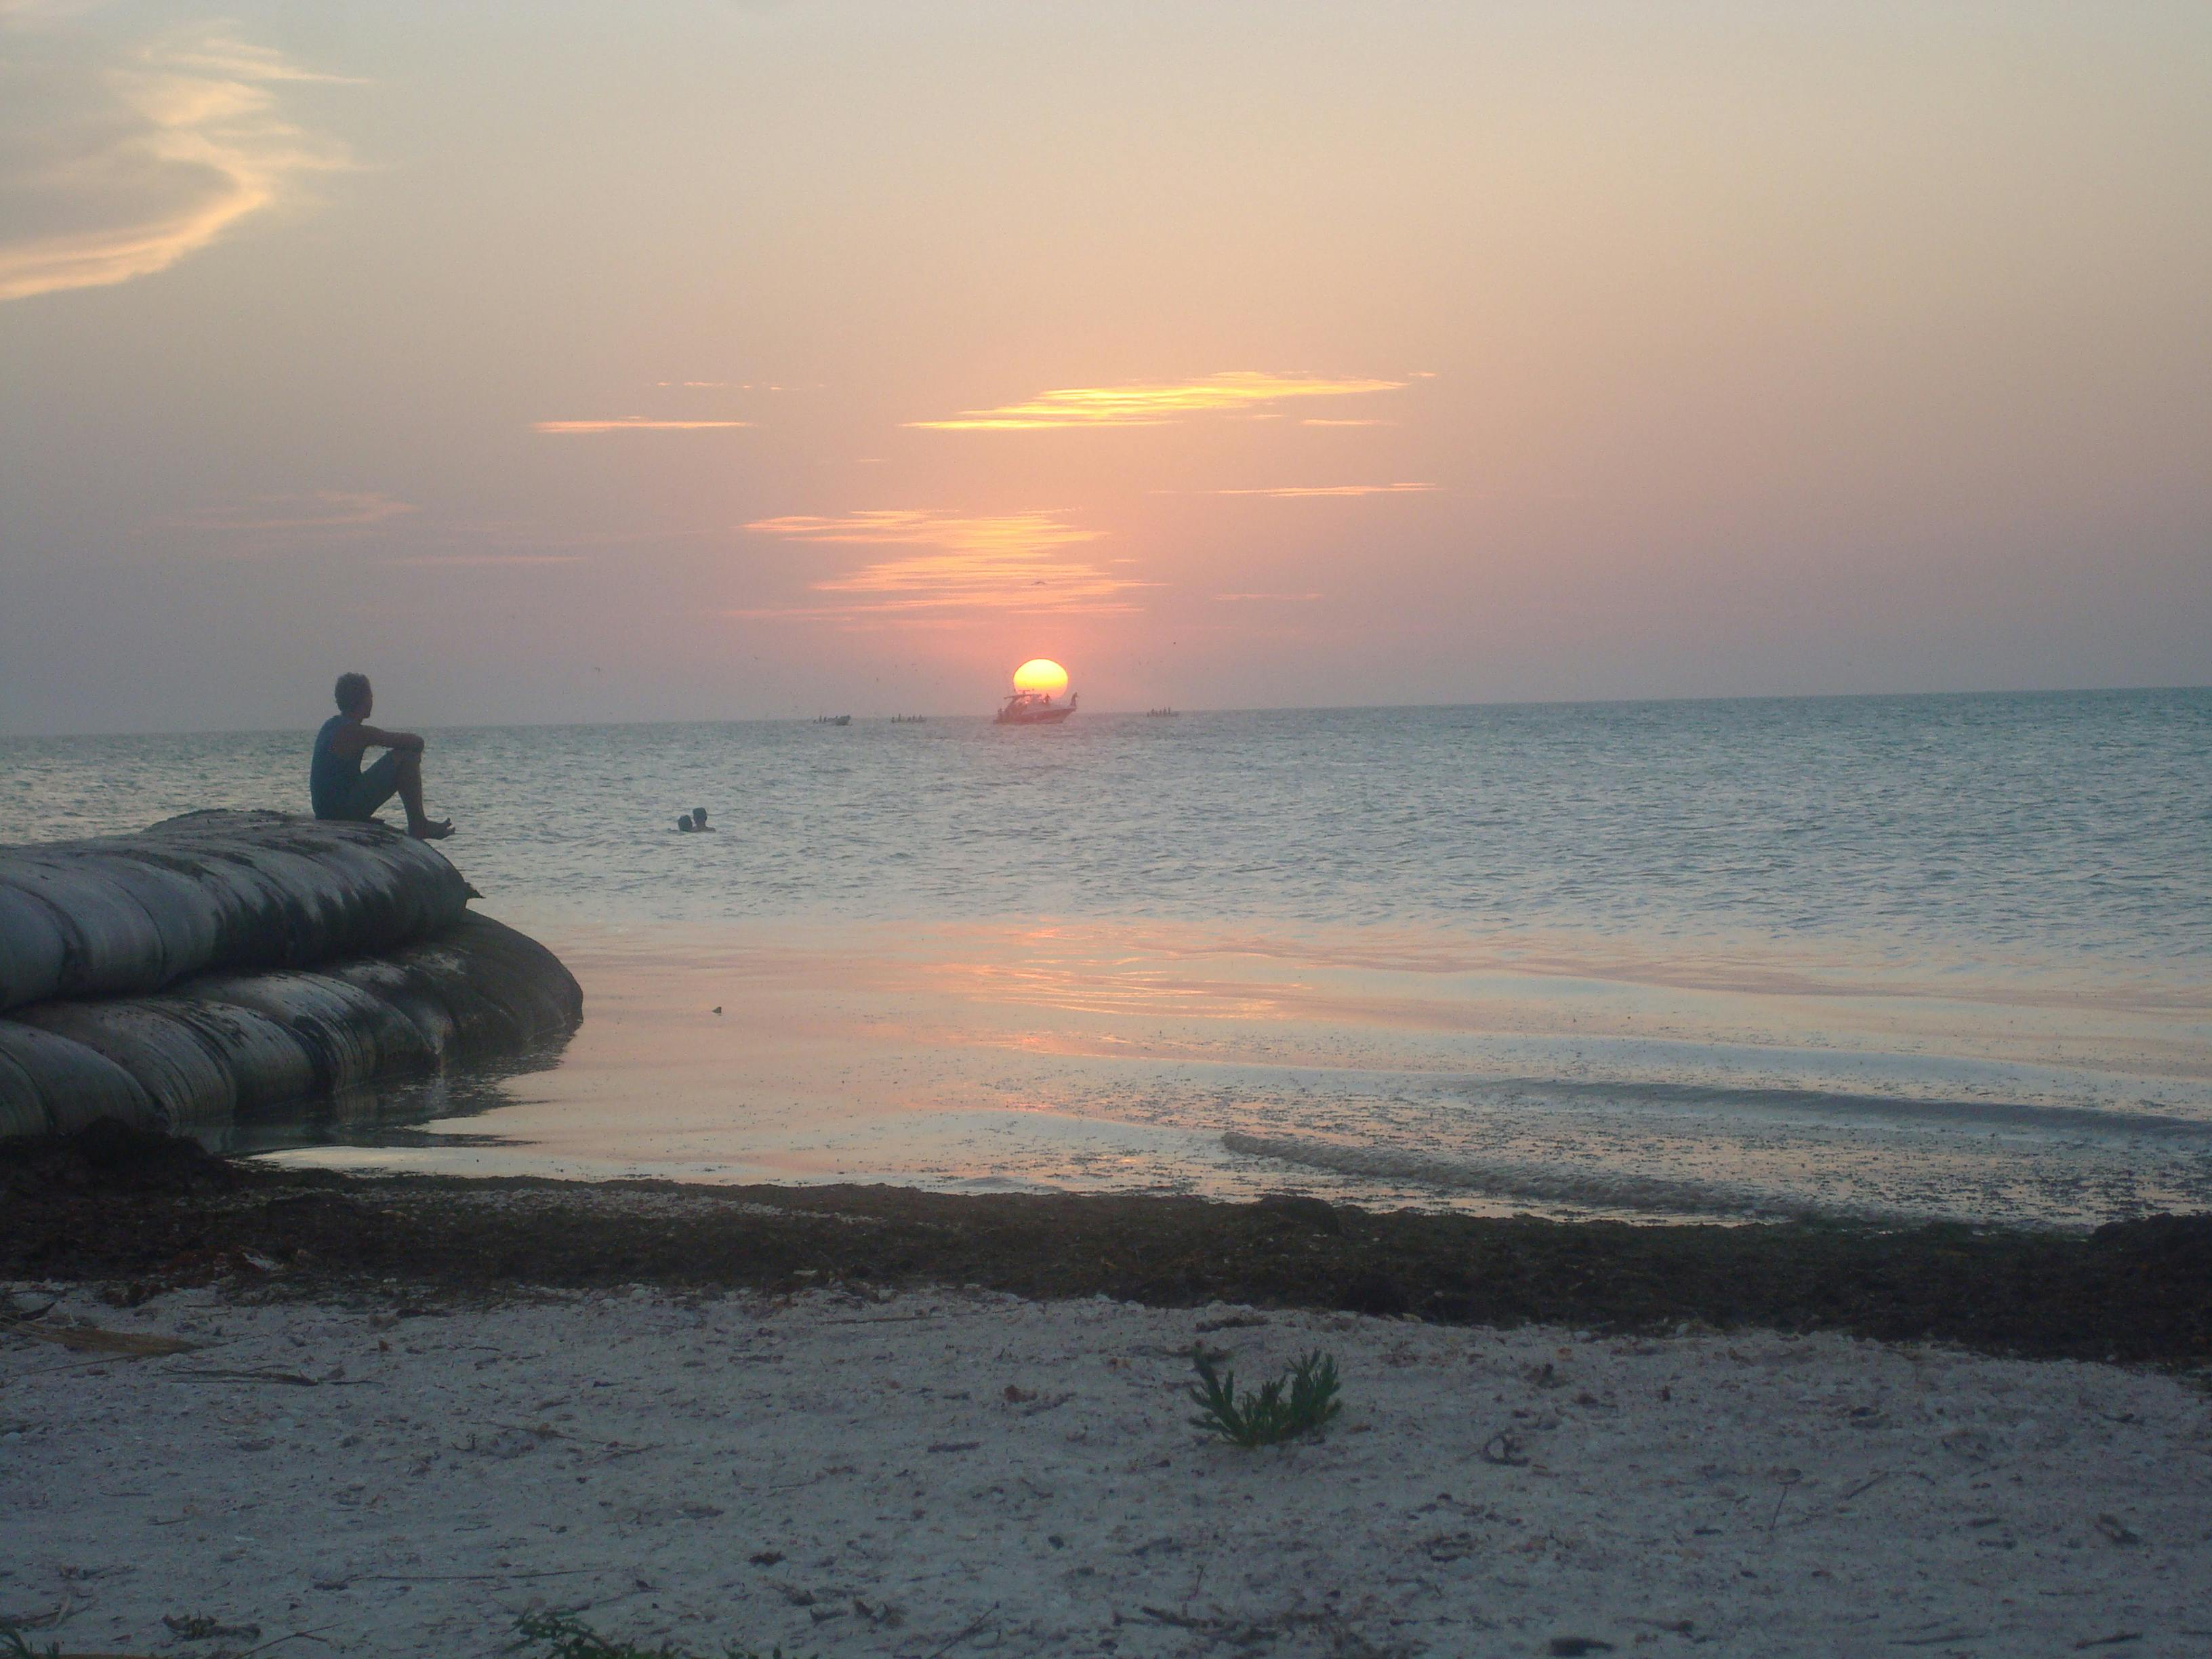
(349, 690)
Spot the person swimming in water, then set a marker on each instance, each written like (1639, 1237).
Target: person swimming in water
(342, 788)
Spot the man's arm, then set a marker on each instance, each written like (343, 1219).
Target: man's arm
(352, 739)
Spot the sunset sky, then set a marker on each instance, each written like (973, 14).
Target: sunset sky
(705, 361)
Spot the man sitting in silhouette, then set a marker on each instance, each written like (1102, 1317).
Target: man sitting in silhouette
(340, 788)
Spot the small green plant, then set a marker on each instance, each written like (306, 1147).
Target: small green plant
(563, 1635)
(1297, 1402)
(13, 1646)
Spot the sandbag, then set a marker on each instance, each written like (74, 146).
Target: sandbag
(189, 1084)
(249, 909)
(409, 995)
(349, 1035)
(516, 972)
(109, 943)
(221, 966)
(212, 891)
(22, 1112)
(380, 887)
(307, 921)
(74, 1085)
(185, 919)
(32, 950)
(269, 1068)
(447, 975)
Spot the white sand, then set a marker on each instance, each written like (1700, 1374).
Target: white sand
(647, 1458)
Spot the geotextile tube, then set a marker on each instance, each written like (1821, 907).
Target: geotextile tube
(223, 964)
(212, 889)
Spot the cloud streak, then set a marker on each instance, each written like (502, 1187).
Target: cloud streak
(113, 169)
(317, 510)
(1154, 402)
(1306, 492)
(1008, 562)
(631, 423)
(481, 560)
(318, 521)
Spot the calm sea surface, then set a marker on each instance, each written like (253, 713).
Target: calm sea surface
(1909, 955)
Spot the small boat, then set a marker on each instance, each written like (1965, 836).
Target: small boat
(1033, 708)
(1164, 713)
(908, 720)
(832, 720)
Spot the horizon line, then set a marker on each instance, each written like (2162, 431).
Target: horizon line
(1249, 708)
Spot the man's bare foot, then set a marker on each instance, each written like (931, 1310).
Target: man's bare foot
(431, 829)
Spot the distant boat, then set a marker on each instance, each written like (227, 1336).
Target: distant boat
(908, 720)
(1034, 708)
(1164, 713)
(832, 720)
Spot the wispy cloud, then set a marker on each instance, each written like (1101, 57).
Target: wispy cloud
(986, 562)
(1285, 597)
(1296, 492)
(316, 510)
(241, 60)
(1153, 403)
(531, 535)
(325, 523)
(632, 424)
(1322, 420)
(469, 561)
(1033, 531)
(112, 169)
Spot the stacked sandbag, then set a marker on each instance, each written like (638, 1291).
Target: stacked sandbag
(273, 961)
(212, 889)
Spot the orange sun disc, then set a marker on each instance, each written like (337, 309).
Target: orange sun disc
(1041, 674)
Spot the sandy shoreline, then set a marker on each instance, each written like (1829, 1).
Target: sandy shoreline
(139, 1215)
(940, 1473)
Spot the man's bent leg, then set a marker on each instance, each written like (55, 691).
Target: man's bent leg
(378, 783)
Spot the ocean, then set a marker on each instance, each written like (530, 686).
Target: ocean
(1881, 956)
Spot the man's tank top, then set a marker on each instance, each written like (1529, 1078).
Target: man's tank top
(332, 777)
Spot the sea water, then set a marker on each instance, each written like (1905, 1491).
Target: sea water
(1888, 957)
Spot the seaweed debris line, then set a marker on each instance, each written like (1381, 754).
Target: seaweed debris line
(227, 963)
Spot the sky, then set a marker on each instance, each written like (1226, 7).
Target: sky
(555, 361)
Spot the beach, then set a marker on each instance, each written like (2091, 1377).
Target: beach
(1742, 1226)
(397, 1414)
(948, 1471)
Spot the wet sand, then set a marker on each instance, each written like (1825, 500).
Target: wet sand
(141, 1214)
(942, 1473)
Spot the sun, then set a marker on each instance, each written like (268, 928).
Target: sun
(1041, 674)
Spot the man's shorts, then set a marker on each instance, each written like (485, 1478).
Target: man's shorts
(378, 783)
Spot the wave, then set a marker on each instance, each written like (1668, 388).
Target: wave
(1596, 1189)
(2116, 1120)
